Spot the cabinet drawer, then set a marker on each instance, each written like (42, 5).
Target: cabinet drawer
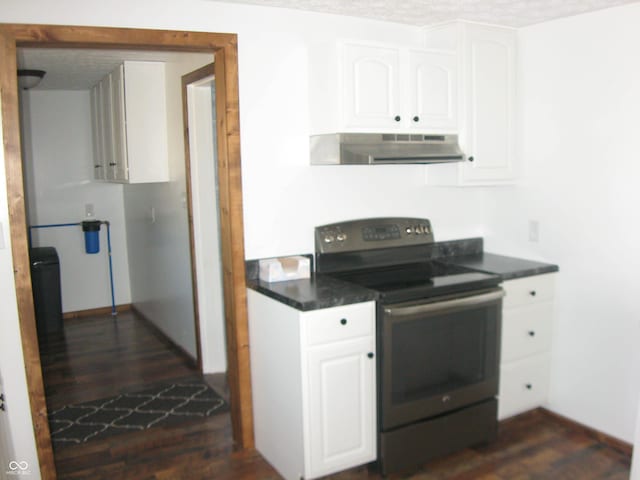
(524, 385)
(339, 323)
(526, 330)
(525, 291)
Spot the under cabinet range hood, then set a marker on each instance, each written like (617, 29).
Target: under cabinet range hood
(384, 149)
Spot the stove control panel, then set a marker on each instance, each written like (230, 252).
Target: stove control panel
(372, 233)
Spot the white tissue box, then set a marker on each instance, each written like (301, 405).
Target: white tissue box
(284, 268)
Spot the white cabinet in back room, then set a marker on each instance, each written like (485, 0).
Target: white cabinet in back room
(487, 60)
(313, 379)
(129, 115)
(525, 363)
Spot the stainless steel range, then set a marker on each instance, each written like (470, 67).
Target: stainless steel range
(438, 337)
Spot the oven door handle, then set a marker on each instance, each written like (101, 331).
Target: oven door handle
(446, 304)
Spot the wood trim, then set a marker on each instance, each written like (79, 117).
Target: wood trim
(232, 242)
(163, 336)
(613, 442)
(125, 307)
(199, 74)
(191, 77)
(224, 47)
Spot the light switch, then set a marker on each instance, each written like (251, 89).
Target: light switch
(534, 231)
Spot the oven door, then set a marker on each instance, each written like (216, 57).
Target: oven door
(438, 355)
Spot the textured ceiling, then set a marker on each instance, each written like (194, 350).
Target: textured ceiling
(80, 69)
(515, 13)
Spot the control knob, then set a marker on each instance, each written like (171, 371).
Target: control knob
(341, 237)
(328, 239)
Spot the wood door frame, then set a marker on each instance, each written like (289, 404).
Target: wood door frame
(199, 74)
(224, 48)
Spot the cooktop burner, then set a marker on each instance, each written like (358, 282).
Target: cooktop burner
(419, 280)
(394, 257)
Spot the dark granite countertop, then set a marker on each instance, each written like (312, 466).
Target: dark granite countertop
(507, 267)
(319, 291)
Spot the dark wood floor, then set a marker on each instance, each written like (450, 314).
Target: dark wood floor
(535, 445)
(100, 356)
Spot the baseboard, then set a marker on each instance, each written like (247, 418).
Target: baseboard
(613, 442)
(163, 336)
(95, 311)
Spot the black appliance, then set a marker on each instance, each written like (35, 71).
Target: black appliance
(47, 298)
(438, 337)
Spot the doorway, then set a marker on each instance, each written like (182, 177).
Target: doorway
(223, 46)
(147, 257)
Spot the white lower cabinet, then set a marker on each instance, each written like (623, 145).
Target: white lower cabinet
(314, 386)
(524, 385)
(527, 324)
(340, 406)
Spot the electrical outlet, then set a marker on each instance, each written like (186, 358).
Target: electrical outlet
(88, 210)
(534, 231)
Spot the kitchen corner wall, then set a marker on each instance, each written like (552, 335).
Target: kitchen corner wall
(158, 243)
(58, 171)
(580, 92)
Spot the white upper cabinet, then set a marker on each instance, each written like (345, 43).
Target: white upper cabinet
(487, 59)
(129, 114)
(433, 90)
(382, 88)
(489, 85)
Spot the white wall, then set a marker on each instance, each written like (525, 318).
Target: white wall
(58, 159)
(11, 354)
(580, 91)
(159, 251)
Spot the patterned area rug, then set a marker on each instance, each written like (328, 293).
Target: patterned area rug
(162, 405)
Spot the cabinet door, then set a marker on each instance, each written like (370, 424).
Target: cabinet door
(97, 131)
(433, 90)
(526, 330)
(371, 96)
(146, 116)
(490, 104)
(106, 116)
(341, 405)
(119, 164)
(524, 385)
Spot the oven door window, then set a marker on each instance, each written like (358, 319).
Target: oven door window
(438, 358)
